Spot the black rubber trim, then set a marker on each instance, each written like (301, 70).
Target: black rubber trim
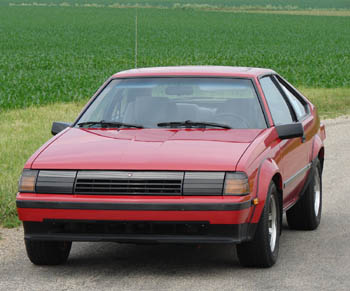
(279, 88)
(134, 206)
(297, 174)
(74, 230)
(132, 238)
(297, 94)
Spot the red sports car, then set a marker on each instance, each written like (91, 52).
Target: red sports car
(178, 155)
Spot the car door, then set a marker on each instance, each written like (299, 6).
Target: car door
(294, 153)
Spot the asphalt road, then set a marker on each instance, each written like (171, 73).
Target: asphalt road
(317, 260)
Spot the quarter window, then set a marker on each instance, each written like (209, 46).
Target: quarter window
(298, 107)
(278, 107)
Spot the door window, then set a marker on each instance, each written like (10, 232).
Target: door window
(278, 106)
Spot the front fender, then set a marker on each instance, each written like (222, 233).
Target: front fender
(268, 169)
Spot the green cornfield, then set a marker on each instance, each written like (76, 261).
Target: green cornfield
(62, 54)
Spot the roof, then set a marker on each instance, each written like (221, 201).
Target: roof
(195, 71)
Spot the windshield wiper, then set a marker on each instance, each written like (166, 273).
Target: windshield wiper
(190, 124)
(105, 124)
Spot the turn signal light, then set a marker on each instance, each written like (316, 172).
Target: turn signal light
(27, 181)
(236, 184)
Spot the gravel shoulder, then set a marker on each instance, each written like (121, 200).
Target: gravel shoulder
(317, 260)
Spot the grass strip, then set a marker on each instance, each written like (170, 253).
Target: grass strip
(330, 102)
(22, 132)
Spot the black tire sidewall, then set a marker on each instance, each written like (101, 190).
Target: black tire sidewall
(47, 252)
(311, 192)
(257, 252)
(302, 215)
(272, 191)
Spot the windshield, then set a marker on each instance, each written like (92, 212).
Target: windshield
(185, 102)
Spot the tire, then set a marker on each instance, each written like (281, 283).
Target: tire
(48, 252)
(306, 213)
(262, 251)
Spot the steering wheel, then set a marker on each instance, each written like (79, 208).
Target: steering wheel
(234, 117)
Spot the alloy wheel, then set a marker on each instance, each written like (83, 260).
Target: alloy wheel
(272, 223)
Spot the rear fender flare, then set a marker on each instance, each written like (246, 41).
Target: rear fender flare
(317, 149)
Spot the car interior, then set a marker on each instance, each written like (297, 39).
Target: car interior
(236, 112)
(236, 108)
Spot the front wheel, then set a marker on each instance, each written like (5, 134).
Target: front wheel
(306, 213)
(48, 252)
(262, 251)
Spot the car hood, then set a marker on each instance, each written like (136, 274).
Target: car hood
(146, 149)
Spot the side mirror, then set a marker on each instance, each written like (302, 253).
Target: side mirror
(58, 126)
(292, 130)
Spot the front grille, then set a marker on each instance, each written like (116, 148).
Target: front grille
(128, 183)
(128, 186)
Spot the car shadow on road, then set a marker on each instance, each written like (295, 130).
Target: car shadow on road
(163, 259)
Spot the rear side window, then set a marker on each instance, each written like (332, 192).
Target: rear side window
(278, 107)
(298, 107)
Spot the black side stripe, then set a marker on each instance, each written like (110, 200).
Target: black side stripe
(134, 206)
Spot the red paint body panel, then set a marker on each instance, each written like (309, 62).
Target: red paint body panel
(150, 149)
(261, 93)
(213, 217)
(30, 161)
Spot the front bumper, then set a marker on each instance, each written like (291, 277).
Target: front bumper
(136, 219)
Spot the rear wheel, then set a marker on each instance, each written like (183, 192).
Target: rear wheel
(262, 251)
(306, 213)
(48, 252)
